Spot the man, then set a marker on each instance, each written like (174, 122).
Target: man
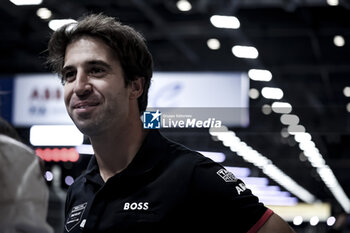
(138, 181)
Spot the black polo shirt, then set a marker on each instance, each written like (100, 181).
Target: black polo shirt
(166, 188)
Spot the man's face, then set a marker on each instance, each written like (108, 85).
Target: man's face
(95, 94)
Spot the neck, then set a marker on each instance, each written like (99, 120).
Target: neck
(115, 149)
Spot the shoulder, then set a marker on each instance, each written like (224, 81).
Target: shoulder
(213, 189)
(206, 176)
(78, 181)
(175, 148)
(15, 156)
(8, 143)
(182, 155)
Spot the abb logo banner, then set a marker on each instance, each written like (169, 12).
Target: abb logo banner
(38, 99)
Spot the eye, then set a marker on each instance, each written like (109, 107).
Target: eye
(68, 76)
(97, 71)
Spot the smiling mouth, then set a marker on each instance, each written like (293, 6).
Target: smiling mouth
(85, 105)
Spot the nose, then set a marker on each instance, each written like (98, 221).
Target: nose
(82, 85)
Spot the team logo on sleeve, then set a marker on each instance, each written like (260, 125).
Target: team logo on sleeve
(75, 216)
(226, 175)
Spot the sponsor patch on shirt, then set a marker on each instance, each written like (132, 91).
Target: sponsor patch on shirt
(226, 175)
(240, 188)
(74, 217)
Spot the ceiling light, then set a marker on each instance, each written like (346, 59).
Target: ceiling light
(266, 109)
(325, 172)
(272, 93)
(298, 220)
(240, 172)
(312, 152)
(317, 162)
(284, 133)
(253, 93)
(26, 2)
(346, 91)
(331, 221)
(293, 129)
(260, 75)
(305, 145)
(44, 13)
(348, 107)
(250, 155)
(338, 41)
(58, 154)
(302, 157)
(57, 23)
(277, 200)
(281, 107)
(256, 181)
(55, 135)
(218, 157)
(221, 21)
(332, 183)
(213, 44)
(289, 119)
(265, 191)
(85, 149)
(302, 137)
(245, 51)
(48, 176)
(333, 2)
(184, 5)
(284, 180)
(314, 221)
(69, 180)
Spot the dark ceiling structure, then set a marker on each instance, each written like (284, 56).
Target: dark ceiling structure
(295, 42)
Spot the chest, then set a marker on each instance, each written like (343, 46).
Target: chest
(144, 203)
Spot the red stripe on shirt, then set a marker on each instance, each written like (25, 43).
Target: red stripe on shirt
(261, 221)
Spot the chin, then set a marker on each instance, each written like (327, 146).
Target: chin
(85, 127)
(91, 129)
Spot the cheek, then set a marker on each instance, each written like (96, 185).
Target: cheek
(67, 93)
(111, 90)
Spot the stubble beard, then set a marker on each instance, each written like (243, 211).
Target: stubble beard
(98, 123)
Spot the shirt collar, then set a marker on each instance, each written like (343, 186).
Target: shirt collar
(150, 153)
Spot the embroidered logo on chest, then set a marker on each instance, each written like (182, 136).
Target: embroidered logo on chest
(75, 216)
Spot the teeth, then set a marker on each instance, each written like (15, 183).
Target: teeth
(84, 106)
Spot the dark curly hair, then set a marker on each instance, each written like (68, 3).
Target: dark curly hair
(128, 45)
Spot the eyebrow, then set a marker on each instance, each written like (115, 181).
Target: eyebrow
(89, 63)
(99, 62)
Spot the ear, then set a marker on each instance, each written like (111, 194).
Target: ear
(136, 87)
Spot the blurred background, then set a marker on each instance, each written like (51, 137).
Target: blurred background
(286, 61)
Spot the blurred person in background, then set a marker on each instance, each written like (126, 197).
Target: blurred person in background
(137, 180)
(7, 129)
(24, 193)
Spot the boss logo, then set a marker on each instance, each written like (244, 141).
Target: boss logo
(136, 206)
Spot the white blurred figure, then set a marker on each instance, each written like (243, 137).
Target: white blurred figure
(24, 193)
